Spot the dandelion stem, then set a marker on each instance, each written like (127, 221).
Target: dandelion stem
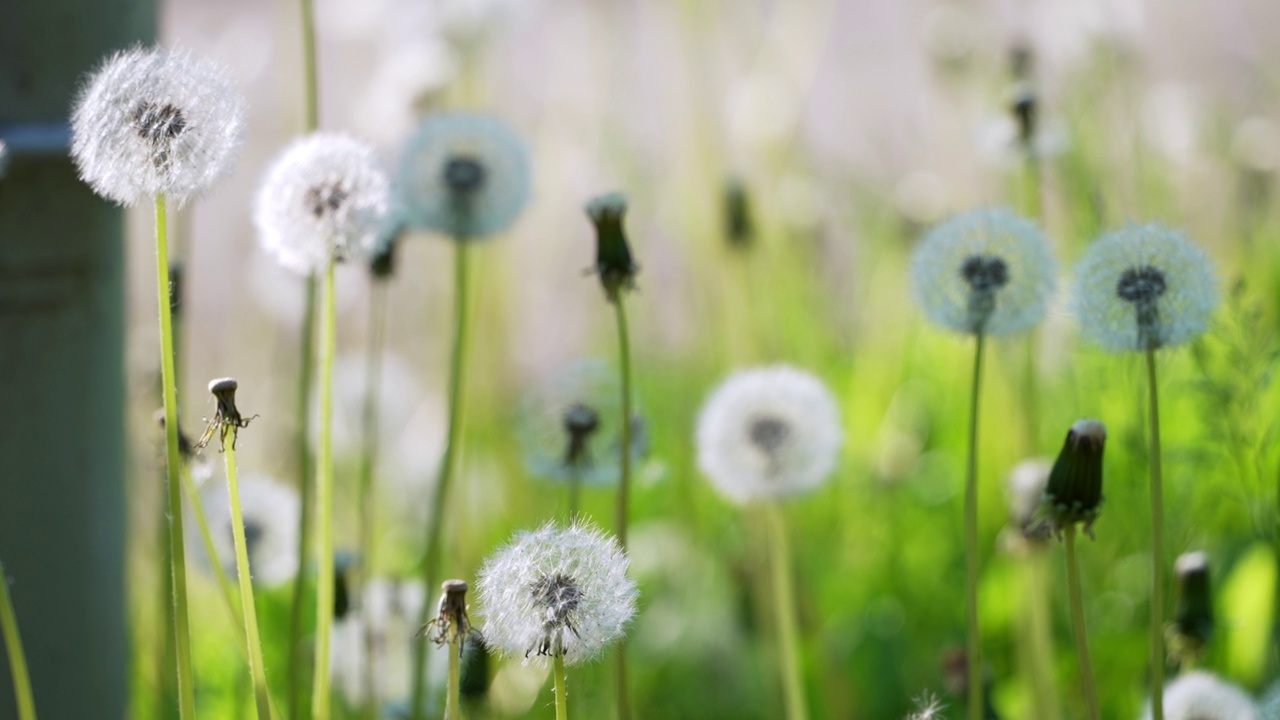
(324, 503)
(306, 482)
(368, 507)
(17, 659)
(173, 463)
(257, 669)
(311, 85)
(453, 694)
(448, 464)
(784, 606)
(1040, 635)
(624, 483)
(1087, 684)
(211, 550)
(973, 646)
(562, 702)
(1157, 545)
(575, 492)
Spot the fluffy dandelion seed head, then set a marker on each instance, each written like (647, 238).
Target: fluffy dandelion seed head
(768, 433)
(1200, 695)
(556, 591)
(271, 516)
(323, 199)
(464, 175)
(985, 271)
(1144, 287)
(153, 121)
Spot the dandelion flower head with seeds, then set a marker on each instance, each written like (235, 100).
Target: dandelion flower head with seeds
(1200, 695)
(1142, 288)
(556, 591)
(154, 121)
(768, 433)
(985, 271)
(323, 199)
(271, 516)
(465, 175)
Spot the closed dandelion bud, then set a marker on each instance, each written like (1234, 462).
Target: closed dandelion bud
(1193, 619)
(1024, 106)
(738, 223)
(382, 257)
(473, 684)
(1200, 695)
(1074, 493)
(152, 122)
(614, 264)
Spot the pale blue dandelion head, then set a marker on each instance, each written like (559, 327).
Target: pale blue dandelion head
(984, 272)
(465, 175)
(153, 121)
(1144, 287)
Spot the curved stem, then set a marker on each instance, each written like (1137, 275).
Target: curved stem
(1157, 545)
(435, 527)
(257, 669)
(453, 694)
(973, 645)
(324, 504)
(624, 485)
(562, 702)
(17, 659)
(369, 452)
(1087, 684)
(173, 461)
(784, 605)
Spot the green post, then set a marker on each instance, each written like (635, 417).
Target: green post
(62, 394)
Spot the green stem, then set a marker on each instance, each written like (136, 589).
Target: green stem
(211, 550)
(624, 486)
(369, 451)
(453, 695)
(311, 85)
(1157, 545)
(562, 702)
(324, 504)
(1040, 635)
(784, 605)
(973, 646)
(257, 668)
(575, 494)
(1087, 684)
(435, 528)
(17, 659)
(173, 462)
(306, 482)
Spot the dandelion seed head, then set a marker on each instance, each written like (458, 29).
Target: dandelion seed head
(154, 121)
(768, 433)
(1200, 695)
(323, 199)
(465, 175)
(271, 516)
(1144, 287)
(985, 271)
(556, 591)
(1025, 487)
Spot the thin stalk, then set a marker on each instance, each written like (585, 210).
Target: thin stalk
(624, 486)
(1040, 633)
(1157, 545)
(257, 668)
(17, 659)
(324, 504)
(310, 75)
(435, 528)
(562, 702)
(973, 646)
(575, 493)
(1087, 684)
(784, 606)
(453, 693)
(369, 451)
(173, 463)
(206, 538)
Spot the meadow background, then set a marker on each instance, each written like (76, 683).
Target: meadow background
(852, 125)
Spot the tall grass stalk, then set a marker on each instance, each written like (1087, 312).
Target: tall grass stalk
(973, 644)
(257, 668)
(624, 484)
(784, 605)
(324, 503)
(1157, 543)
(1088, 686)
(369, 451)
(13, 646)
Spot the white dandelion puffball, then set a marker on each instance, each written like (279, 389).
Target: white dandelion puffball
(271, 517)
(156, 122)
(1200, 695)
(768, 433)
(556, 591)
(984, 272)
(1144, 287)
(323, 199)
(464, 175)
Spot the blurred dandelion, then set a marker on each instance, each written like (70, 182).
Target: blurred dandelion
(1025, 489)
(271, 513)
(1193, 622)
(386, 609)
(1200, 695)
(323, 199)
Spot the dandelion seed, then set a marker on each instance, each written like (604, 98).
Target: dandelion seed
(464, 175)
(151, 122)
(984, 272)
(323, 199)
(271, 516)
(1144, 287)
(928, 707)
(768, 433)
(1200, 695)
(556, 592)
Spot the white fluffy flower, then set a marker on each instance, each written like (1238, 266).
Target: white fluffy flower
(155, 122)
(271, 516)
(985, 271)
(323, 199)
(464, 175)
(768, 433)
(1144, 287)
(1199, 695)
(556, 591)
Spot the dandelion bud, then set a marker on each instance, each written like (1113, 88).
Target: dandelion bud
(738, 222)
(1193, 618)
(382, 258)
(1024, 106)
(474, 681)
(344, 562)
(1074, 493)
(614, 265)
